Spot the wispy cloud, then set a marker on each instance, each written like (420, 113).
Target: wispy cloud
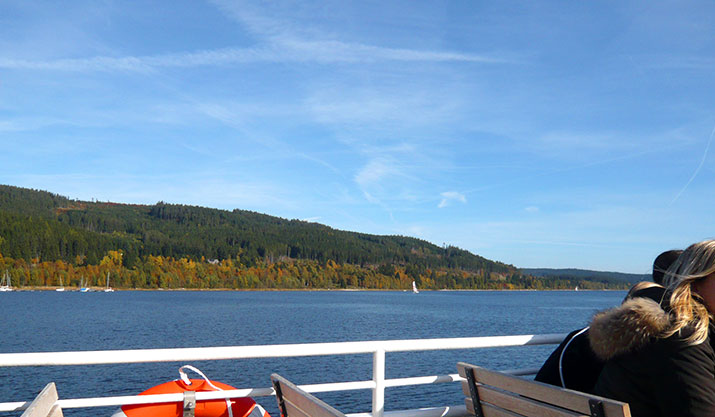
(21, 125)
(383, 181)
(448, 197)
(133, 64)
(311, 44)
(375, 171)
(370, 108)
(296, 51)
(697, 170)
(336, 51)
(146, 63)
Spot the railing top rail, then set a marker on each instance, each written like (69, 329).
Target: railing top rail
(267, 351)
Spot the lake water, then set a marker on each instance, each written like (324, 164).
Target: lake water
(70, 321)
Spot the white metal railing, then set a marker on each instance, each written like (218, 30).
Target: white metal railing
(377, 348)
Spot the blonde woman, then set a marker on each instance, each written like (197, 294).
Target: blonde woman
(659, 357)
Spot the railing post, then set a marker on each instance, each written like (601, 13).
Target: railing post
(378, 376)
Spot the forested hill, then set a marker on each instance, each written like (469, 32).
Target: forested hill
(46, 237)
(572, 273)
(38, 224)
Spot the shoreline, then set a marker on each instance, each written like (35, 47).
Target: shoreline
(101, 289)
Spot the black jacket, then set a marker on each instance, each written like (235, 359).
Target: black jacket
(655, 376)
(573, 364)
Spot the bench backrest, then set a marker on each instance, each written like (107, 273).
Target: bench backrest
(294, 402)
(495, 394)
(44, 404)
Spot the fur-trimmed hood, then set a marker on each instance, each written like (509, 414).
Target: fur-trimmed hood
(627, 328)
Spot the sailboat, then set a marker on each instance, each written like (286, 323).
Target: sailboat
(62, 287)
(414, 288)
(108, 289)
(6, 283)
(82, 287)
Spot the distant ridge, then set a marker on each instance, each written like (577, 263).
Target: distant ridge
(572, 273)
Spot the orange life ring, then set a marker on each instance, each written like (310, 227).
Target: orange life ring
(241, 407)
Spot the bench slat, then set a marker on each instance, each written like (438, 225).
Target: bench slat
(522, 406)
(488, 410)
(294, 411)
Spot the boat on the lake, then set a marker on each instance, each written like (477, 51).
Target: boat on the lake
(61, 288)
(6, 284)
(108, 288)
(83, 286)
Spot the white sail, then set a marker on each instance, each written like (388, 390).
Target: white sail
(7, 286)
(414, 288)
(82, 287)
(108, 289)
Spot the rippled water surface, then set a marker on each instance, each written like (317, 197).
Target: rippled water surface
(69, 321)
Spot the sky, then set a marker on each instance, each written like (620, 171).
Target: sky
(555, 134)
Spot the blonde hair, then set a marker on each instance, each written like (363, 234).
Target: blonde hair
(694, 264)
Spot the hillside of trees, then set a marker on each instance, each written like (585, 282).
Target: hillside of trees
(585, 274)
(46, 237)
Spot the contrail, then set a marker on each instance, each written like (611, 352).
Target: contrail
(697, 171)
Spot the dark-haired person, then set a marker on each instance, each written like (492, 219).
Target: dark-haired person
(663, 262)
(573, 364)
(659, 356)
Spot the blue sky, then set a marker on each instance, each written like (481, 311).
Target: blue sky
(541, 134)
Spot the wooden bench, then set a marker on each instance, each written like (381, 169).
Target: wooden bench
(294, 402)
(44, 404)
(495, 394)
